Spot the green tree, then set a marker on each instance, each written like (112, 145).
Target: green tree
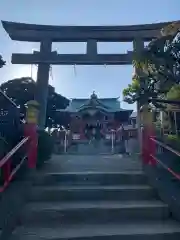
(158, 65)
(132, 92)
(139, 90)
(21, 90)
(174, 93)
(160, 60)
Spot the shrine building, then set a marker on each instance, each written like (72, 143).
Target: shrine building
(100, 114)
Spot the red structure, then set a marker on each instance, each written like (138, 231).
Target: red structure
(95, 114)
(27, 146)
(153, 149)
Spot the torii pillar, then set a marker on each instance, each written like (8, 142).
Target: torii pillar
(46, 34)
(42, 83)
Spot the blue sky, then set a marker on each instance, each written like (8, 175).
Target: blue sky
(107, 81)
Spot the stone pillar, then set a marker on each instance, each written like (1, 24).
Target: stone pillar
(138, 46)
(42, 82)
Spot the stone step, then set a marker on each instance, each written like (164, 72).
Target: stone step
(47, 214)
(92, 193)
(89, 178)
(126, 231)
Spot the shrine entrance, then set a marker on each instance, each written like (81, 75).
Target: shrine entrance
(46, 35)
(93, 131)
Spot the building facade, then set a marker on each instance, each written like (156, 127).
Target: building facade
(95, 116)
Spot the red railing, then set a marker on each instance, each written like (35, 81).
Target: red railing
(162, 145)
(150, 147)
(29, 146)
(7, 173)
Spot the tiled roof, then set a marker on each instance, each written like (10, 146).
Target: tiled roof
(106, 104)
(109, 104)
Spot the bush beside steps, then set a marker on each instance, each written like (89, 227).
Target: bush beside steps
(45, 147)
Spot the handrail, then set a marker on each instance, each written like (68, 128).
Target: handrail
(176, 175)
(165, 146)
(10, 168)
(5, 162)
(8, 98)
(13, 151)
(6, 183)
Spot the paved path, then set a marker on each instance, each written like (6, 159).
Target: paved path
(95, 163)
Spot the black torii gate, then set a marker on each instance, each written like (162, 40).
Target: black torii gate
(45, 34)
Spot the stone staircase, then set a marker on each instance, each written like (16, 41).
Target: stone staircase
(94, 148)
(95, 206)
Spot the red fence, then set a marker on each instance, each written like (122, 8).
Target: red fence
(25, 152)
(28, 156)
(156, 153)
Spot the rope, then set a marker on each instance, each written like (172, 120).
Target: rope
(51, 73)
(75, 73)
(31, 70)
(33, 65)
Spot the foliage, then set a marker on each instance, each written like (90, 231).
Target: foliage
(45, 147)
(21, 90)
(158, 65)
(159, 62)
(172, 138)
(173, 141)
(132, 92)
(172, 161)
(2, 62)
(174, 93)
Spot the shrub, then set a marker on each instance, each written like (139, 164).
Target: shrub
(45, 147)
(173, 141)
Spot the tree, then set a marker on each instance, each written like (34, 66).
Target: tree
(132, 92)
(174, 93)
(139, 90)
(158, 65)
(21, 90)
(2, 62)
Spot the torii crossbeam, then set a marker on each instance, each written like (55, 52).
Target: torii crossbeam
(46, 35)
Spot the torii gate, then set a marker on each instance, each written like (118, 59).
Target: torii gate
(46, 35)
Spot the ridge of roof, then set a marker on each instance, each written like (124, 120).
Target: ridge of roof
(85, 99)
(89, 103)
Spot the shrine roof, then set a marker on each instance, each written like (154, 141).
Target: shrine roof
(106, 104)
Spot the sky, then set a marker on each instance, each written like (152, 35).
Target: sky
(81, 81)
